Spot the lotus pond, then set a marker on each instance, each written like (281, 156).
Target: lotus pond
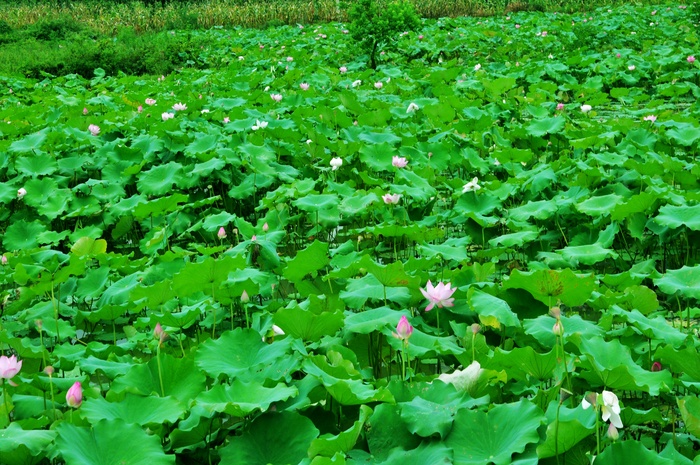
(483, 252)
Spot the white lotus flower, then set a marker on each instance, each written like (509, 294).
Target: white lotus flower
(336, 163)
(412, 107)
(259, 125)
(586, 108)
(463, 380)
(471, 186)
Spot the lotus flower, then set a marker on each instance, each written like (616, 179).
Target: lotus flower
(244, 297)
(440, 295)
(21, 192)
(560, 106)
(336, 163)
(691, 59)
(259, 125)
(477, 67)
(610, 407)
(159, 333)
(412, 107)
(266, 227)
(222, 233)
(586, 108)
(3, 260)
(399, 162)
(343, 70)
(290, 59)
(356, 83)
(651, 118)
(74, 396)
(471, 186)
(391, 199)
(276, 97)
(150, 101)
(304, 86)
(9, 366)
(85, 111)
(179, 107)
(94, 129)
(166, 116)
(403, 329)
(378, 85)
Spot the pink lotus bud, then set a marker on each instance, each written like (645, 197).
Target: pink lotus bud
(476, 328)
(222, 233)
(558, 329)
(254, 238)
(159, 333)
(3, 260)
(304, 86)
(555, 312)
(74, 396)
(85, 111)
(140, 109)
(244, 297)
(9, 366)
(49, 370)
(403, 329)
(266, 227)
(613, 433)
(39, 324)
(656, 366)
(94, 129)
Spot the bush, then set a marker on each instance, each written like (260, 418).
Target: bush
(376, 26)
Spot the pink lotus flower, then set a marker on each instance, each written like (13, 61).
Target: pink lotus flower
(651, 118)
(403, 329)
(140, 108)
(85, 111)
(691, 59)
(343, 70)
(440, 295)
(21, 192)
(276, 97)
(560, 106)
(3, 260)
(378, 85)
(179, 107)
(399, 162)
(166, 116)
(517, 26)
(9, 366)
(290, 59)
(94, 129)
(222, 233)
(159, 333)
(304, 86)
(74, 396)
(227, 120)
(150, 101)
(391, 199)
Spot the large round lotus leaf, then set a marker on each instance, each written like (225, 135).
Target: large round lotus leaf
(675, 217)
(686, 281)
(273, 439)
(627, 452)
(110, 442)
(134, 409)
(17, 446)
(493, 437)
(240, 399)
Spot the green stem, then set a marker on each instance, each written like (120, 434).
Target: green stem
(597, 432)
(53, 400)
(4, 398)
(556, 434)
(55, 312)
(160, 371)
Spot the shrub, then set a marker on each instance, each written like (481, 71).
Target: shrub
(376, 26)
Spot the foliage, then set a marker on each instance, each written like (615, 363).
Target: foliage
(183, 247)
(375, 25)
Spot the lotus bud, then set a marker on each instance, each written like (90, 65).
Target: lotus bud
(222, 233)
(476, 327)
(613, 433)
(244, 297)
(558, 328)
(403, 329)
(266, 227)
(74, 396)
(656, 366)
(49, 370)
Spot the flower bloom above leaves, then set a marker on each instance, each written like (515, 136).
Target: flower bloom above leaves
(412, 107)
(378, 85)
(356, 83)
(477, 67)
(74, 396)
(403, 329)
(21, 192)
(631, 67)
(9, 366)
(463, 380)
(610, 406)
(471, 186)
(560, 106)
(166, 116)
(336, 163)
(94, 129)
(440, 295)
(150, 101)
(399, 162)
(222, 233)
(276, 97)
(651, 118)
(179, 107)
(304, 86)
(586, 108)
(343, 70)
(391, 199)
(691, 58)
(259, 125)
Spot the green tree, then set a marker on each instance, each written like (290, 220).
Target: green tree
(375, 25)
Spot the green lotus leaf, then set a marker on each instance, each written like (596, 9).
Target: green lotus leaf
(359, 291)
(22, 235)
(134, 409)
(262, 443)
(626, 452)
(180, 379)
(159, 180)
(329, 445)
(675, 217)
(41, 164)
(600, 206)
(493, 437)
(434, 453)
(540, 127)
(657, 328)
(587, 254)
(387, 431)
(526, 361)
(242, 353)
(30, 143)
(550, 286)
(574, 425)
(241, 398)
(541, 328)
(492, 311)
(516, 239)
(372, 320)
(307, 261)
(309, 324)
(685, 281)
(19, 447)
(104, 444)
